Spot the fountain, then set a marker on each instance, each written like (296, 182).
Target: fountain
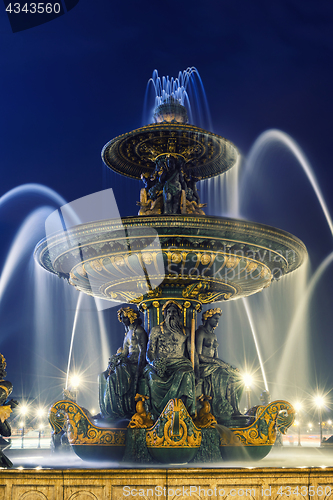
(170, 261)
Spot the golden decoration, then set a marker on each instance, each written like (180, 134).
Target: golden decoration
(205, 419)
(265, 272)
(128, 312)
(232, 261)
(97, 265)
(174, 428)
(3, 361)
(140, 420)
(147, 258)
(156, 303)
(81, 271)
(192, 291)
(210, 313)
(263, 429)
(176, 258)
(118, 261)
(207, 298)
(157, 292)
(80, 430)
(205, 259)
(169, 302)
(5, 412)
(187, 304)
(252, 266)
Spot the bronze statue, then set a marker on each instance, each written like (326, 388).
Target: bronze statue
(219, 379)
(6, 406)
(171, 183)
(119, 383)
(151, 202)
(170, 372)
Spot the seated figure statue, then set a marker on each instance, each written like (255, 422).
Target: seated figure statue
(169, 371)
(219, 379)
(118, 384)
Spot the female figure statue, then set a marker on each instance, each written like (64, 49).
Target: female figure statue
(219, 379)
(118, 384)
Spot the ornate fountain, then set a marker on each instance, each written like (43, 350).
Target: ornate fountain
(171, 257)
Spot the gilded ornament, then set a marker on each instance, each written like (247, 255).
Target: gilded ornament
(171, 302)
(205, 419)
(187, 304)
(81, 271)
(232, 262)
(97, 265)
(263, 429)
(118, 261)
(81, 431)
(140, 420)
(174, 428)
(129, 313)
(147, 258)
(252, 266)
(205, 259)
(210, 313)
(176, 258)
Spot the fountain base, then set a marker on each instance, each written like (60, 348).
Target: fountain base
(174, 438)
(106, 483)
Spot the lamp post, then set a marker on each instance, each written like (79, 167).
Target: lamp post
(40, 415)
(319, 402)
(23, 411)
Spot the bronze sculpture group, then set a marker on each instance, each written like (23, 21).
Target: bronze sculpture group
(160, 368)
(169, 190)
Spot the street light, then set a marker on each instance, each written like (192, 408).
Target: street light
(319, 403)
(75, 381)
(40, 428)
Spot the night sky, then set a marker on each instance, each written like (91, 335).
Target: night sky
(72, 84)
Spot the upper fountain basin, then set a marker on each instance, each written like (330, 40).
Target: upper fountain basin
(205, 154)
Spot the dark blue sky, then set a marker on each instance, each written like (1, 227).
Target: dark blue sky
(72, 84)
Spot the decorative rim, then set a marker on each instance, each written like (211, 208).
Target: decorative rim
(206, 154)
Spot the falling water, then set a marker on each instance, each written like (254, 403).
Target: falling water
(38, 189)
(249, 315)
(292, 344)
(22, 247)
(42, 304)
(77, 309)
(297, 338)
(266, 139)
(230, 205)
